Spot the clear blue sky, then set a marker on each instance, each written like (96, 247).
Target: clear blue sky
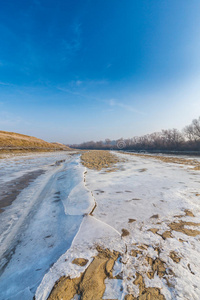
(77, 70)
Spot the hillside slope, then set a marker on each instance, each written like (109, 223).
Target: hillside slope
(16, 141)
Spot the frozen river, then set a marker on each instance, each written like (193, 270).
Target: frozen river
(40, 224)
(45, 224)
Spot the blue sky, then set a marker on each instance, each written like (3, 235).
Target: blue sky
(79, 70)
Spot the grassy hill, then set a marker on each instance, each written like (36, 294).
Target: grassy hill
(11, 141)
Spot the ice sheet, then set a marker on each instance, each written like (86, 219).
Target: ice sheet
(37, 228)
(152, 194)
(92, 232)
(149, 192)
(140, 190)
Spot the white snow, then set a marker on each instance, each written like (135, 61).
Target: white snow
(35, 230)
(57, 232)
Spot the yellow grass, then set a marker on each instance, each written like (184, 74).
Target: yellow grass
(11, 141)
(167, 159)
(98, 159)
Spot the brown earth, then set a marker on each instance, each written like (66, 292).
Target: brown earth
(147, 293)
(153, 230)
(189, 213)
(80, 261)
(150, 293)
(155, 216)
(125, 232)
(179, 226)
(99, 159)
(15, 142)
(131, 220)
(90, 285)
(166, 235)
(174, 257)
(135, 253)
(157, 266)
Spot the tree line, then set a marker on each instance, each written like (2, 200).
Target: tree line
(187, 139)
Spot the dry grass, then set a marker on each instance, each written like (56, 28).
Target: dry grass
(99, 159)
(175, 160)
(15, 142)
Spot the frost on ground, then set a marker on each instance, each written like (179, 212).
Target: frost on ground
(128, 231)
(153, 208)
(36, 229)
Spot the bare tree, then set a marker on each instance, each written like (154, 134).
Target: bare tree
(171, 139)
(192, 131)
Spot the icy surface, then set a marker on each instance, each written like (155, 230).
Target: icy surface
(48, 225)
(152, 193)
(16, 166)
(76, 199)
(92, 232)
(38, 228)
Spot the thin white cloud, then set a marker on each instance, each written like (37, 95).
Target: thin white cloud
(8, 119)
(87, 82)
(69, 91)
(4, 83)
(76, 87)
(113, 102)
(97, 82)
(79, 82)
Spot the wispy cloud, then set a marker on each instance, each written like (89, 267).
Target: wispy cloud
(79, 82)
(9, 119)
(69, 91)
(114, 103)
(4, 83)
(88, 82)
(76, 87)
(97, 82)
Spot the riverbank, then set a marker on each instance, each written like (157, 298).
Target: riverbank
(15, 143)
(147, 211)
(109, 224)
